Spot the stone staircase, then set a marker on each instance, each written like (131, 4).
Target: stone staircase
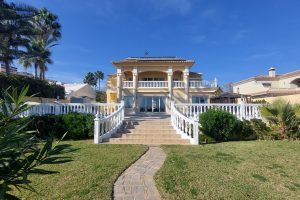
(151, 129)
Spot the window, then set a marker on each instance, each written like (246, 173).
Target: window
(199, 99)
(128, 101)
(266, 84)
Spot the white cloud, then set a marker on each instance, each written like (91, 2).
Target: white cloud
(199, 38)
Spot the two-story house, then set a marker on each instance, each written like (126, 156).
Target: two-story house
(271, 86)
(149, 84)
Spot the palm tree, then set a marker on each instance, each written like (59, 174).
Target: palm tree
(14, 29)
(48, 33)
(99, 75)
(39, 56)
(283, 117)
(90, 79)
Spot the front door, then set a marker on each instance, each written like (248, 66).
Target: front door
(152, 104)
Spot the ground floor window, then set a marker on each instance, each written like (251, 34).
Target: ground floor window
(152, 104)
(200, 99)
(128, 101)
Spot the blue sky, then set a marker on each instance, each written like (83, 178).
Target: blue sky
(228, 39)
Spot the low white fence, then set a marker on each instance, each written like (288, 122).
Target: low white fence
(187, 127)
(104, 127)
(153, 84)
(242, 111)
(104, 109)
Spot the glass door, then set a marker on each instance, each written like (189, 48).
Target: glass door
(152, 104)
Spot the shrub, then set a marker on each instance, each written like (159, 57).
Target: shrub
(283, 118)
(37, 87)
(219, 125)
(21, 152)
(78, 125)
(261, 130)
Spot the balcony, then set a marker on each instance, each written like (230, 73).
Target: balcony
(164, 84)
(153, 84)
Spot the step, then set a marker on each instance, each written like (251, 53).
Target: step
(148, 141)
(153, 123)
(151, 136)
(148, 126)
(155, 132)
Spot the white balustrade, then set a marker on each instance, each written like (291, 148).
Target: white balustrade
(178, 84)
(188, 128)
(104, 109)
(104, 127)
(128, 84)
(242, 111)
(202, 84)
(153, 84)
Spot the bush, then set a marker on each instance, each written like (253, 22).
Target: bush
(223, 126)
(78, 125)
(38, 88)
(261, 130)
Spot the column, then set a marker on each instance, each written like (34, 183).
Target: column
(119, 85)
(170, 83)
(135, 85)
(186, 83)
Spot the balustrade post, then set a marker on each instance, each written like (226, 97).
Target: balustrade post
(196, 131)
(97, 138)
(243, 110)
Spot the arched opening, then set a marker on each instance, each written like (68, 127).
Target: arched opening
(127, 76)
(296, 83)
(152, 76)
(177, 76)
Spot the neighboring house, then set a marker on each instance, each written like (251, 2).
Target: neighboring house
(80, 93)
(14, 70)
(271, 86)
(149, 84)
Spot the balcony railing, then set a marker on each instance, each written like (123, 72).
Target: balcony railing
(178, 84)
(202, 84)
(153, 84)
(128, 84)
(175, 84)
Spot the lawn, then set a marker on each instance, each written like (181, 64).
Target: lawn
(232, 170)
(90, 174)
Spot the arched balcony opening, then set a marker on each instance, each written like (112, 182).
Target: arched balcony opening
(152, 79)
(127, 79)
(296, 83)
(178, 79)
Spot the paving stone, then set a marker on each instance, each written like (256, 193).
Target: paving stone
(137, 181)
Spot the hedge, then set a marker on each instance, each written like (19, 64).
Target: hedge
(77, 125)
(37, 87)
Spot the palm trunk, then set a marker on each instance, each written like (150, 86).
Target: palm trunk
(35, 70)
(99, 84)
(43, 75)
(7, 68)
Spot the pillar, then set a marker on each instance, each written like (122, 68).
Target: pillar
(135, 85)
(119, 85)
(186, 81)
(170, 83)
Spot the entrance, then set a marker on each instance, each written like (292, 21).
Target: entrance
(153, 104)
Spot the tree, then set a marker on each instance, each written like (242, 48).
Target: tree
(15, 27)
(48, 33)
(21, 152)
(283, 118)
(99, 75)
(90, 79)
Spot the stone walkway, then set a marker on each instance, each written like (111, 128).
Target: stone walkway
(137, 183)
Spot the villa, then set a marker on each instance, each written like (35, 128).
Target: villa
(271, 86)
(149, 84)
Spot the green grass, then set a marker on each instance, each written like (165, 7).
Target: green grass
(232, 170)
(90, 175)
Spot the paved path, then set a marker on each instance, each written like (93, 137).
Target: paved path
(137, 183)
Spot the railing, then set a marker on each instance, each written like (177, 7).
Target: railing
(178, 84)
(153, 84)
(106, 126)
(242, 111)
(187, 127)
(104, 109)
(128, 84)
(202, 84)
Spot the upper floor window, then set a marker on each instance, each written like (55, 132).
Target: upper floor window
(266, 84)
(153, 79)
